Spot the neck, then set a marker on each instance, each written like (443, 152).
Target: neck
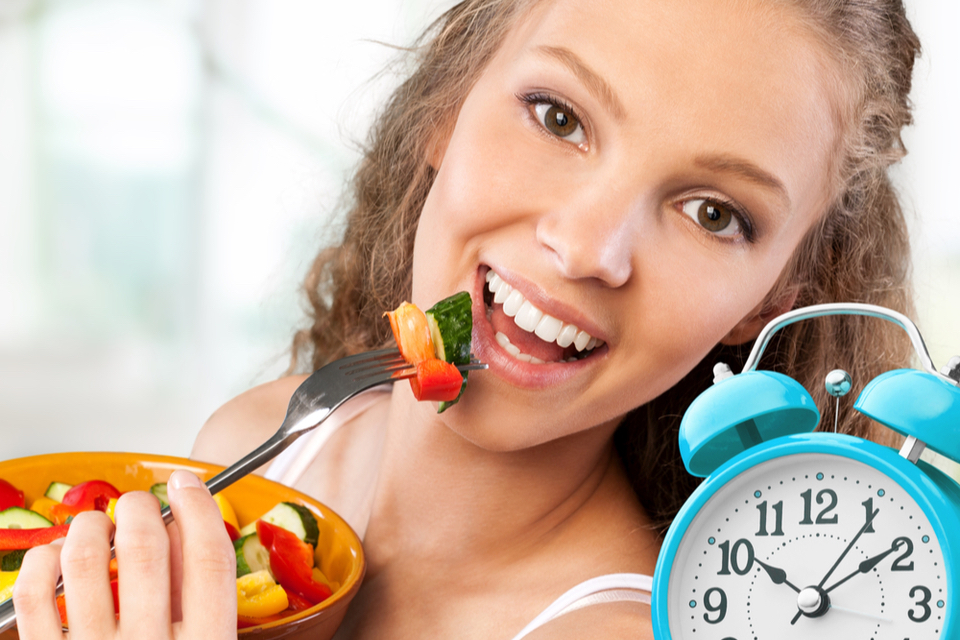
(440, 497)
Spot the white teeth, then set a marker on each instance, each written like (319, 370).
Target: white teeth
(567, 334)
(513, 303)
(502, 293)
(580, 342)
(530, 318)
(548, 328)
(514, 351)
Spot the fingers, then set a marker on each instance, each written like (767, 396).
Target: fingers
(85, 563)
(176, 572)
(143, 562)
(209, 591)
(33, 594)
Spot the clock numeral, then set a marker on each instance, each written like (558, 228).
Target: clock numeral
(822, 517)
(730, 558)
(778, 510)
(720, 608)
(868, 507)
(898, 564)
(923, 603)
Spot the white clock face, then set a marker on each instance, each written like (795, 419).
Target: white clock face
(789, 549)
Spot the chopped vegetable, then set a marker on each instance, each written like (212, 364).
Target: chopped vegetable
(10, 496)
(412, 333)
(291, 561)
(436, 380)
(7, 578)
(14, 539)
(259, 596)
(93, 494)
(252, 556)
(12, 560)
(56, 490)
(449, 324)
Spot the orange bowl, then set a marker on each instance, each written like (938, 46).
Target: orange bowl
(340, 555)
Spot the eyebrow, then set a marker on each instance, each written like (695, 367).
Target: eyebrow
(742, 168)
(593, 81)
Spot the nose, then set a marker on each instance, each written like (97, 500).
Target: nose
(593, 236)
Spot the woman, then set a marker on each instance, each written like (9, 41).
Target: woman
(666, 177)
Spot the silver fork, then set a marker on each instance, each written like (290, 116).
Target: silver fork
(314, 400)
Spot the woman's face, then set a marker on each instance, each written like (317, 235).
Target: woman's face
(641, 170)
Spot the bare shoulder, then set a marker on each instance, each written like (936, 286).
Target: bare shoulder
(626, 620)
(245, 422)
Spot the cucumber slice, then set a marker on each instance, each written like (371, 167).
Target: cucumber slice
(296, 519)
(252, 556)
(56, 490)
(451, 327)
(12, 560)
(249, 529)
(20, 518)
(160, 491)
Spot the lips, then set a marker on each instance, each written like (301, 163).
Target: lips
(543, 339)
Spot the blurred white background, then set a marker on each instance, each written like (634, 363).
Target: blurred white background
(169, 167)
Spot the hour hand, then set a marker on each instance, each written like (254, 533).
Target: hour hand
(868, 564)
(777, 575)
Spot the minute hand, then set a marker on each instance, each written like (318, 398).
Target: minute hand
(868, 564)
(849, 546)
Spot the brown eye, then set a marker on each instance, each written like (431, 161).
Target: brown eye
(713, 216)
(560, 122)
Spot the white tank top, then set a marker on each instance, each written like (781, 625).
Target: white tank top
(287, 468)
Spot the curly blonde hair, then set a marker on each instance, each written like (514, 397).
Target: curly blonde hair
(859, 251)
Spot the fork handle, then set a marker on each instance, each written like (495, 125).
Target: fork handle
(246, 465)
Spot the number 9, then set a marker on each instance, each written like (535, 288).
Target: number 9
(720, 609)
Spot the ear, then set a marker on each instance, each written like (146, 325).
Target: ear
(751, 326)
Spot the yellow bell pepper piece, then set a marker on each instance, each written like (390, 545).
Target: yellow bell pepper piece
(229, 515)
(259, 596)
(111, 508)
(7, 578)
(42, 506)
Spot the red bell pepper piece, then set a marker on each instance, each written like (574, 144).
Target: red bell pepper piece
(10, 496)
(90, 495)
(436, 380)
(231, 531)
(291, 562)
(297, 603)
(60, 512)
(13, 539)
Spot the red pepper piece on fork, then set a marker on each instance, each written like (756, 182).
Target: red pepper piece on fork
(436, 380)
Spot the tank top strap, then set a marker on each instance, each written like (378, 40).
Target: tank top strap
(292, 462)
(613, 587)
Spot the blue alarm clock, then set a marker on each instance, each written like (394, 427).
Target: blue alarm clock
(796, 534)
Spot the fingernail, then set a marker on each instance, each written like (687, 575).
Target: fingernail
(181, 479)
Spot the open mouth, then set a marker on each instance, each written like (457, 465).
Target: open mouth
(527, 333)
